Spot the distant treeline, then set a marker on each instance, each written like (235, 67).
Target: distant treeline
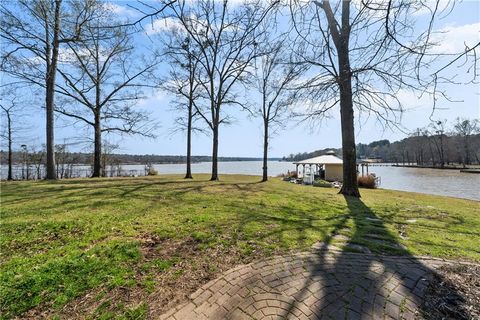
(32, 156)
(425, 150)
(307, 155)
(435, 146)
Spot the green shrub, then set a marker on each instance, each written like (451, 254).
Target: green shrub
(322, 183)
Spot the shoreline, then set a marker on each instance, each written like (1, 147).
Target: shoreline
(180, 176)
(461, 168)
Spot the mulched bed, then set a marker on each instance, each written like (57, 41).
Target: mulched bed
(454, 293)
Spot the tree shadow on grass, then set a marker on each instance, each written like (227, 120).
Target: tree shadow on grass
(59, 193)
(349, 285)
(371, 276)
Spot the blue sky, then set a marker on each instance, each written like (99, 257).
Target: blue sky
(244, 136)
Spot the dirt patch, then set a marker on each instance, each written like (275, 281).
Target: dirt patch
(454, 293)
(169, 271)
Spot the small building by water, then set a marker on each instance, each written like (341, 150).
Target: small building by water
(328, 167)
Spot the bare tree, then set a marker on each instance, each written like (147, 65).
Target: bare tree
(61, 153)
(183, 82)
(33, 31)
(37, 158)
(362, 54)
(438, 129)
(107, 160)
(148, 11)
(274, 73)
(8, 108)
(418, 141)
(465, 128)
(14, 117)
(226, 40)
(102, 78)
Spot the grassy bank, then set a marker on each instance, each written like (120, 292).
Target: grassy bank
(130, 247)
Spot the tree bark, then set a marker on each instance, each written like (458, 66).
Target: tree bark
(51, 172)
(265, 151)
(50, 94)
(97, 155)
(467, 151)
(341, 40)
(350, 184)
(215, 154)
(188, 174)
(442, 154)
(9, 128)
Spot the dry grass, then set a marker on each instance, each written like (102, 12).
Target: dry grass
(168, 272)
(454, 294)
(367, 182)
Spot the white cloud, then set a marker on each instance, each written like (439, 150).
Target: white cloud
(120, 10)
(453, 39)
(427, 7)
(67, 55)
(170, 24)
(238, 2)
(34, 61)
(155, 98)
(235, 3)
(163, 24)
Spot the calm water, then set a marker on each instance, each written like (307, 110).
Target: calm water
(432, 181)
(440, 182)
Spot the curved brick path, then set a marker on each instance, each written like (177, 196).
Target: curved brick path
(314, 285)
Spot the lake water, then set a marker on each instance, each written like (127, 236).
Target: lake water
(431, 181)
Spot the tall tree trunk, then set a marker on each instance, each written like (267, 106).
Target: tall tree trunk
(97, 155)
(350, 184)
(27, 165)
(50, 94)
(215, 153)
(50, 145)
(9, 128)
(432, 154)
(442, 154)
(341, 39)
(265, 151)
(467, 151)
(188, 174)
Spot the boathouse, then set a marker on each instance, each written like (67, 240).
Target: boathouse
(328, 167)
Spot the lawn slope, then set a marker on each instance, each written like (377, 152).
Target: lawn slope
(133, 247)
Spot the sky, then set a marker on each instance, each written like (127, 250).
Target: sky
(244, 136)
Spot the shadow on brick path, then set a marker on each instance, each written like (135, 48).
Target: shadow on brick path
(363, 286)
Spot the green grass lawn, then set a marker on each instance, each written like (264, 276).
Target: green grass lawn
(63, 240)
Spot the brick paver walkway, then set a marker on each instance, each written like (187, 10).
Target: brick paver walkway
(314, 285)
